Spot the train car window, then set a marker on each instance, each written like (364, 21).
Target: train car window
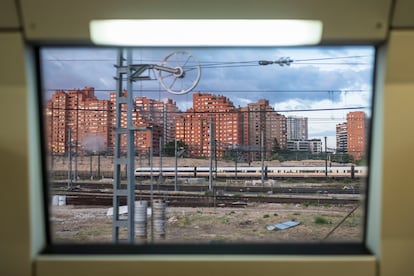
(210, 146)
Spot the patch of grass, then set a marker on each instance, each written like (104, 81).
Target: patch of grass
(266, 216)
(187, 221)
(224, 220)
(307, 204)
(321, 220)
(296, 214)
(275, 214)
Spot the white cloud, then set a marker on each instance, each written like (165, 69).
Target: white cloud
(106, 83)
(241, 101)
(323, 122)
(184, 105)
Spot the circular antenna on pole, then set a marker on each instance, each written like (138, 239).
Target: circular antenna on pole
(185, 74)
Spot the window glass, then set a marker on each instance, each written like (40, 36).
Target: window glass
(224, 145)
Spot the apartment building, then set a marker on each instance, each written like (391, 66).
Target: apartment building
(79, 114)
(213, 112)
(261, 119)
(232, 127)
(90, 122)
(157, 116)
(297, 128)
(341, 138)
(313, 146)
(356, 134)
(56, 122)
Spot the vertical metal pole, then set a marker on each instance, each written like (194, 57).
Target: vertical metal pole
(117, 149)
(215, 158)
(176, 165)
(99, 165)
(90, 166)
(51, 142)
(166, 133)
(69, 160)
(152, 184)
(76, 161)
(130, 155)
(235, 164)
(160, 156)
(52, 169)
(326, 158)
(210, 183)
(262, 154)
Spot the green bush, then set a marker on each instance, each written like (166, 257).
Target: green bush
(321, 220)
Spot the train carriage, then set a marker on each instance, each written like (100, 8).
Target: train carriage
(251, 172)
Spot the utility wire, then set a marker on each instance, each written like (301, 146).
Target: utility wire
(210, 62)
(233, 64)
(234, 90)
(213, 112)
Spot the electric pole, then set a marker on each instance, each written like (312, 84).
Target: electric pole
(326, 158)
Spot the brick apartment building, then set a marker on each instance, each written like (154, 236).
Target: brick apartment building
(193, 126)
(90, 121)
(81, 115)
(356, 134)
(351, 136)
(233, 127)
(147, 112)
(260, 118)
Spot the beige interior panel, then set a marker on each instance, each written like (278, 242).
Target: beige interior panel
(69, 20)
(8, 15)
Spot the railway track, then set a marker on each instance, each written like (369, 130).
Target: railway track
(227, 188)
(200, 200)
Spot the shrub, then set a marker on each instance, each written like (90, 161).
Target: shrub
(321, 220)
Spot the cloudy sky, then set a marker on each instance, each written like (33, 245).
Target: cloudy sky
(321, 83)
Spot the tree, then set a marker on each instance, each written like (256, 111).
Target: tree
(170, 147)
(276, 147)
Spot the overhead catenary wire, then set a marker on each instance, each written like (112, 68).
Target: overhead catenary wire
(203, 90)
(234, 64)
(224, 64)
(217, 112)
(211, 62)
(227, 64)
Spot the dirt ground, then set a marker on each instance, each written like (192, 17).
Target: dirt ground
(77, 224)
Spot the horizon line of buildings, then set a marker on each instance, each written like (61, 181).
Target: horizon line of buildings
(90, 122)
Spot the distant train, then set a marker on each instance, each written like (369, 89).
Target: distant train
(269, 172)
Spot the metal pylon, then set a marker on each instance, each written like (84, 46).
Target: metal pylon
(122, 158)
(174, 70)
(126, 71)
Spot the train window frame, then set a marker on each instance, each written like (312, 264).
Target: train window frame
(251, 248)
